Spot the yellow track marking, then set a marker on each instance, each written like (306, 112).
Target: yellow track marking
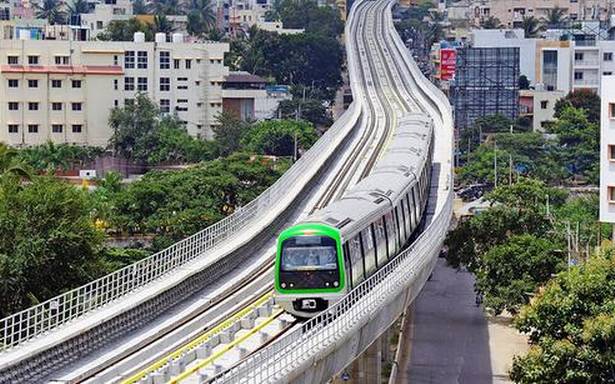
(189, 372)
(196, 342)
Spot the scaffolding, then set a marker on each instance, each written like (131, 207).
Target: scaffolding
(486, 83)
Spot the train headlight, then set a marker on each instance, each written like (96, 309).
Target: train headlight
(335, 283)
(283, 285)
(327, 284)
(292, 285)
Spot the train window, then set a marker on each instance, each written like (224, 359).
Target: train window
(356, 260)
(369, 251)
(309, 253)
(381, 242)
(402, 217)
(399, 243)
(417, 202)
(348, 264)
(412, 213)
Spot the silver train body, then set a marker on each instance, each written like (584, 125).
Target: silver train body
(377, 216)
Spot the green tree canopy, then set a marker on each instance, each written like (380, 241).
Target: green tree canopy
(572, 326)
(124, 30)
(277, 137)
(48, 242)
(141, 134)
(583, 99)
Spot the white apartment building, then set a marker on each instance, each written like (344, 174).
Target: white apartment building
(105, 12)
(607, 150)
(63, 91)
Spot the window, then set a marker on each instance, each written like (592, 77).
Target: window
(611, 194)
(182, 100)
(611, 152)
(544, 104)
(76, 83)
(77, 128)
(578, 56)
(197, 83)
(165, 84)
(142, 84)
(115, 60)
(56, 106)
(13, 106)
(33, 60)
(578, 75)
(188, 63)
(182, 87)
(612, 110)
(56, 83)
(176, 63)
(32, 128)
(142, 59)
(12, 60)
(181, 109)
(129, 84)
(116, 103)
(165, 105)
(32, 83)
(99, 24)
(182, 79)
(165, 60)
(129, 59)
(549, 65)
(115, 84)
(607, 73)
(57, 128)
(61, 60)
(33, 106)
(76, 106)
(13, 128)
(607, 56)
(13, 83)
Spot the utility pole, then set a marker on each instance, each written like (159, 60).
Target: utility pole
(295, 150)
(568, 241)
(495, 164)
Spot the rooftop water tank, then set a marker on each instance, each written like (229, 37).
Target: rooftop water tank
(178, 38)
(160, 37)
(139, 37)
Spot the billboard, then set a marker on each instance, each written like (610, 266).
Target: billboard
(448, 58)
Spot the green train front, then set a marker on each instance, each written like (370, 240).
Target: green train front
(309, 269)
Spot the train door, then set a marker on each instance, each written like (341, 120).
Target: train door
(369, 251)
(348, 265)
(356, 260)
(381, 242)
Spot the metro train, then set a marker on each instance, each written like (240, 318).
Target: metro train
(323, 257)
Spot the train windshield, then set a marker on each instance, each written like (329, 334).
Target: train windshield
(309, 253)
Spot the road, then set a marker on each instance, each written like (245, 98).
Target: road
(450, 338)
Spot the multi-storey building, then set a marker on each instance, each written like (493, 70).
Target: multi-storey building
(607, 151)
(511, 13)
(63, 91)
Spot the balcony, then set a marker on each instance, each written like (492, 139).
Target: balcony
(593, 83)
(591, 62)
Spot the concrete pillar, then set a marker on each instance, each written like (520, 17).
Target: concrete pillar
(367, 368)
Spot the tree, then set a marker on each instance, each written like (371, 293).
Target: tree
(140, 134)
(491, 22)
(571, 324)
(581, 140)
(309, 16)
(524, 83)
(277, 137)
(139, 7)
(124, 30)
(201, 17)
(51, 11)
(510, 273)
(531, 26)
(10, 164)
(581, 98)
(50, 157)
(48, 242)
(555, 17)
(229, 132)
(162, 24)
(78, 7)
(311, 110)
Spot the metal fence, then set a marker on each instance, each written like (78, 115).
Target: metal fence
(42, 318)
(275, 362)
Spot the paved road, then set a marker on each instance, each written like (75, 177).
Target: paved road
(451, 340)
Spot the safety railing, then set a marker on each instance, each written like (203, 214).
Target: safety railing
(354, 310)
(44, 317)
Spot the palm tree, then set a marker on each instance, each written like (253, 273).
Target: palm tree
(531, 26)
(139, 7)
(201, 17)
(167, 7)
(162, 24)
(9, 164)
(491, 22)
(50, 10)
(555, 17)
(78, 7)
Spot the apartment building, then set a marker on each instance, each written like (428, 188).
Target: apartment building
(63, 91)
(511, 13)
(607, 150)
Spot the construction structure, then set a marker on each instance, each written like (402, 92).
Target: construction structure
(486, 83)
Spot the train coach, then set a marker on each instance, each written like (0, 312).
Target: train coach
(323, 257)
